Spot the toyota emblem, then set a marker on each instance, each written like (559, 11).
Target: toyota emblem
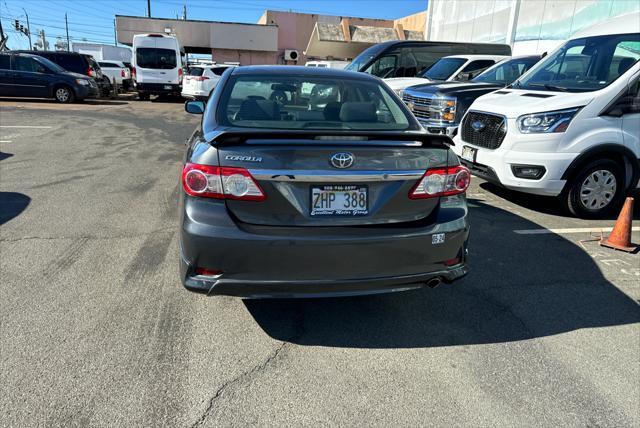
(342, 160)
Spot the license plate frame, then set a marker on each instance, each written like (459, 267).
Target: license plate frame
(469, 154)
(337, 190)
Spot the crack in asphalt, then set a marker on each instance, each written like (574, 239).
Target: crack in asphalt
(249, 373)
(61, 238)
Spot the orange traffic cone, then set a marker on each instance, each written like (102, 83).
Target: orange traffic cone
(620, 238)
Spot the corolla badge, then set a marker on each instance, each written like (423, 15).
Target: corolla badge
(477, 125)
(342, 160)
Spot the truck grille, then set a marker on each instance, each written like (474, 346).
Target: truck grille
(483, 130)
(416, 100)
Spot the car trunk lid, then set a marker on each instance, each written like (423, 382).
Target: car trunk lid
(312, 180)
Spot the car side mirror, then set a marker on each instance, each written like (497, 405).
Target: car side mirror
(194, 106)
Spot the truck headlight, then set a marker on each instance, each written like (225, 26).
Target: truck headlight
(443, 109)
(547, 122)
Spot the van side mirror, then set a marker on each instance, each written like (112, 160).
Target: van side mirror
(194, 106)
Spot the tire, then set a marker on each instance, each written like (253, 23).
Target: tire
(596, 190)
(63, 94)
(143, 96)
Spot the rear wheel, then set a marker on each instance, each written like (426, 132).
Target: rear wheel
(596, 189)
(63, 94)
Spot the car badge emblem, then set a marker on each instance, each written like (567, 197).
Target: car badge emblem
(477, 125)
(411, 105)
(342, 160)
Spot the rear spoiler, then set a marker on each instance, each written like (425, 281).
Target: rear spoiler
(235, 136)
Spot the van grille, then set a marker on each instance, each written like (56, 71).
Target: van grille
(490, 135)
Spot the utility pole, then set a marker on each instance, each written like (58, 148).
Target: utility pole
(66, 25)
(148, 8)
(184, 11)
(115, 37)
(28, 29)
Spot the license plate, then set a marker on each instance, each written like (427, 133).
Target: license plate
(167, 86)
(339, 200)
(469, 153)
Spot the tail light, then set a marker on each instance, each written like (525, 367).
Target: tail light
(200, 78)
(90, 72)
(220, 183)
(134, 72)
(122, 74)
(446, 181)
(179, 73)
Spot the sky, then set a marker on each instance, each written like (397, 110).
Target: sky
(93, 20)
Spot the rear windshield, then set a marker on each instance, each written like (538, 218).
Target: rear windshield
(156, 58)
(444, 68)
(310, 102)
(197, 71)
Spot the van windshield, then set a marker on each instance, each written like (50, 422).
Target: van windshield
(444, 68)
(310, 102)
(365, 57)
(584, 65)
(156, 58)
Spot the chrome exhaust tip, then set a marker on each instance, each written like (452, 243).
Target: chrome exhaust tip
(434, 282)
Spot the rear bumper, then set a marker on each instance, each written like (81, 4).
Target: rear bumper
(259, 261)
(158, 88)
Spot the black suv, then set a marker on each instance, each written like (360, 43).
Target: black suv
(77, 63)
(26, 75)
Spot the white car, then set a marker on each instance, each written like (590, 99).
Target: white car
(446, 69)
(117, 72)
(569, 127)
(201, 80)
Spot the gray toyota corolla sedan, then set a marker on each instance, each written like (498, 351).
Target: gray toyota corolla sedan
(305, 182)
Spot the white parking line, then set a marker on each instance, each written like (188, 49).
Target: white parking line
(26, 126)
(5, 141)
(565, 231)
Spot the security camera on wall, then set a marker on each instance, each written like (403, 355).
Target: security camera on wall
(291, 55)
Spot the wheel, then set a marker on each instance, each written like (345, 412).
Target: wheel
(63, 94)
(143, 96)
(596, 189)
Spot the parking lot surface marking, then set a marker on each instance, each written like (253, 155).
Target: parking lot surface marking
(26, 126)
(569, 230)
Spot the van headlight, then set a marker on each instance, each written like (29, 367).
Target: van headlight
(547, 122)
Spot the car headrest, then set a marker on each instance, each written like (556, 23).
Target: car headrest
(358, 112)
(625, 64)
(332, 111)
(254, 109)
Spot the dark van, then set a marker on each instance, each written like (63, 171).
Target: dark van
(400, 58)
(77, 63)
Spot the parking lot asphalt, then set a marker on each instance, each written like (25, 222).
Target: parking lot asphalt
(96, 329)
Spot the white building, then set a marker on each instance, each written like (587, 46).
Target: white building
(529, 26)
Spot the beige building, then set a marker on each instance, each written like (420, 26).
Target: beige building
(309, 36)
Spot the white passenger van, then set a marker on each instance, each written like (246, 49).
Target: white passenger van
(157, 65)
(569, 127)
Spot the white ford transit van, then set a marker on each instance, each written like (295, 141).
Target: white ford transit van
(157, 65)
(569, 127)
